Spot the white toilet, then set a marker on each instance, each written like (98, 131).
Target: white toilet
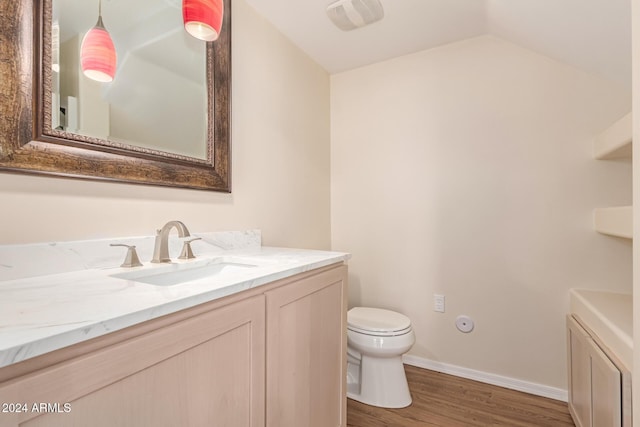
(377, 339)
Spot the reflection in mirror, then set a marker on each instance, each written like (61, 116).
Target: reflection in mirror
(158, 97)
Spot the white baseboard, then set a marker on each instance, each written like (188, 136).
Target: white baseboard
(485, 377)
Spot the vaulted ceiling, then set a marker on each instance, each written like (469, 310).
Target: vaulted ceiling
(594, 35)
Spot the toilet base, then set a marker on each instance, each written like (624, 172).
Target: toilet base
(378, 381)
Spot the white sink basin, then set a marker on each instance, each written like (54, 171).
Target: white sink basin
(175, 274)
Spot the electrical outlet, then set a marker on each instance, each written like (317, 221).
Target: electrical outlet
(438, 303)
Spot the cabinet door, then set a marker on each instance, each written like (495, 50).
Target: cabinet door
(605, 390)
(306, 352)
(206, 370)
(595, 383)
(579, 371)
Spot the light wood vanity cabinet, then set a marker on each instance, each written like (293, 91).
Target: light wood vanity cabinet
(306, 350)
(277, 351)
(599, 390)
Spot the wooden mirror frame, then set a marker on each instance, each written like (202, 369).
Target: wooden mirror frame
(27, 146)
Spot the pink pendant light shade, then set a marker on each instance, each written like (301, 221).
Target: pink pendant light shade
(98, 54)
(203, 18)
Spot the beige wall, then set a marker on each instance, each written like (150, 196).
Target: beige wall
(466, 171)
(280, 145)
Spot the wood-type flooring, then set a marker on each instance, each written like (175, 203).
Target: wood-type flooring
(448, 401)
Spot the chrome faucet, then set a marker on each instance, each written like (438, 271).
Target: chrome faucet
(161, 250)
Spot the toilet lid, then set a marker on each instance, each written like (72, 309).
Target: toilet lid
(376, 320)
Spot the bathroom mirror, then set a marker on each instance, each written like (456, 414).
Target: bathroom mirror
(163, 120)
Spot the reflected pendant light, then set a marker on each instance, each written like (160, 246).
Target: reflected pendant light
(97, 53)
(55, 46)
(203, 18)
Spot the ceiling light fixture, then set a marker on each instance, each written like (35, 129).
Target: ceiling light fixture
(203, 18)
(97, 53)
(351, 14)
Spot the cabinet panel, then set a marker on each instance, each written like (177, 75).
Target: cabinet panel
(579, 374)
(595, 382)
(206, 370)
(605, 390)
(306, 352)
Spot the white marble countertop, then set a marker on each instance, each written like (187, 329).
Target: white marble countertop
(41, 312)
(610, 316)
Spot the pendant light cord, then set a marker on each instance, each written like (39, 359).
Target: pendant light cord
(99, 24)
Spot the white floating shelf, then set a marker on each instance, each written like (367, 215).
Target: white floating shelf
(615, 142)
(616, 221)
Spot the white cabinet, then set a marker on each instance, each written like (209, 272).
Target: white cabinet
(595, 382)
(579, 369)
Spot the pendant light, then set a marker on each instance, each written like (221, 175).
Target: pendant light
(203, 18)
(97, 53)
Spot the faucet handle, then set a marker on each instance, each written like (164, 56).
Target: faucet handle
(187, 253)
(131, 260)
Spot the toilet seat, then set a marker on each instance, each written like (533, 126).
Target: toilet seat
(377, 322)
(380, 333)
